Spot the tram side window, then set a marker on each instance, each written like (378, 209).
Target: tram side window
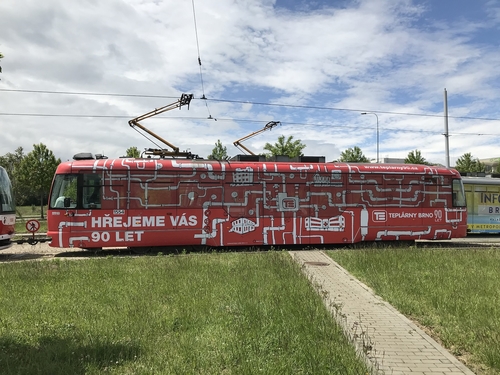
(198, 195)
(64, 191)
(6, 197)
(458, 194)
(6, 203)
(91, 191)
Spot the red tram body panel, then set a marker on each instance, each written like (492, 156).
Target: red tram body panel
(7, 211)
(177, 202)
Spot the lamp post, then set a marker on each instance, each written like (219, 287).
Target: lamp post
(371, 113)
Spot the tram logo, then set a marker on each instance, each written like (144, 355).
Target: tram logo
(379, 216)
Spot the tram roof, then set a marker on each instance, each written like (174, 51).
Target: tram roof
(152, 164)
(468, 180)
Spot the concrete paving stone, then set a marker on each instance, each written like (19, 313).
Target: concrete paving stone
(388, 341)
(401, 369)
(436, 361)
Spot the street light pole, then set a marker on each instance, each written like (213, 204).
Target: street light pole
(371, 113)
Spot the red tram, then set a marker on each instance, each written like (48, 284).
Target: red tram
(7, 210)
(144, 203)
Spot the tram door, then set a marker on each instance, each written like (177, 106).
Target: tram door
(96, 230)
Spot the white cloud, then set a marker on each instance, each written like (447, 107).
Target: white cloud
(370, 55)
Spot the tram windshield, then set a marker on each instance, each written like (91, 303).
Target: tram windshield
(6, 196)
(458, 194)
(64, 191)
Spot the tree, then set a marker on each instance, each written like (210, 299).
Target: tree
(219, 152)
(11, 162)
(415, 157)
(288, 148)
(133, 152)
(466, 163)
(497, 167)
(353, 155)
(480, 167)
(1, 57)
(36, 171)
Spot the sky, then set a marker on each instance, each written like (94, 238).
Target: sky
(75, 72)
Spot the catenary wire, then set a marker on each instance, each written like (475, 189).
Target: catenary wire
(254, 103)
(283, 123)
(199, 61)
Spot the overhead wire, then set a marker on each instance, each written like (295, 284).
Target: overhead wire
(199, 61)
(350, 109)
(240, 120)
(89, 93)
(255, 103)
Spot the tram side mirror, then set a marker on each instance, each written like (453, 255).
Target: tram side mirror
(67, 202)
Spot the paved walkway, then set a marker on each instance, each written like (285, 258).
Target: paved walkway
(390, 342)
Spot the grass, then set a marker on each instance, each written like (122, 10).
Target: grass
(30, 211)
(25, 213)
(199, 314)
(454, 292)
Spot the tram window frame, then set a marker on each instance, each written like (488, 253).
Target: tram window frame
(148, 190)
(7, 202)
(198, 194)
(459, 199)
(91, 191)
(64, 192)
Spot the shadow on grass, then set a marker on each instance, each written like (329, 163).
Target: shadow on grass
(166, 251)
(8, 257)
(54, 355)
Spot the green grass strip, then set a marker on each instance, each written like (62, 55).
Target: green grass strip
(455, 292)
(196, 314)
